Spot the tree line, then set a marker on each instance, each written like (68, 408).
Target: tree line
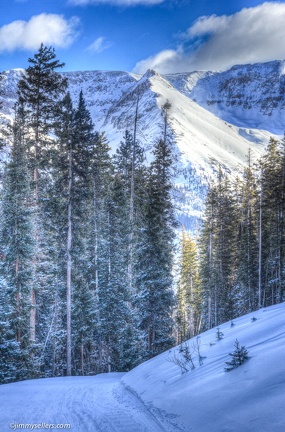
(237, 263)
(86, 238)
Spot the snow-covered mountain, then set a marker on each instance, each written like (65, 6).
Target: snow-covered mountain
(157, 397)
(213, 120)
(250, 95)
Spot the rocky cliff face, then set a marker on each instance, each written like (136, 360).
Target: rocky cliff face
(246, 95)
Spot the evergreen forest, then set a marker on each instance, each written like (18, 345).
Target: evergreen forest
(91, 278)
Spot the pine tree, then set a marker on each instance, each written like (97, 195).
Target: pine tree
(281, 293)
(83, 151)
(2, 130)
(239, 356)
(206, 247)
(111, 207)
(55, 208)
(218, 254)
(155, 255)
(9, 348)
(118, 335)
(271, 216)
(71, 208)
(98, 182)
(130, 173)
(242, 240)
(39, 91)
(188, 290)
(18, 248)
(61, 209)
(247, 201)
(128, 163)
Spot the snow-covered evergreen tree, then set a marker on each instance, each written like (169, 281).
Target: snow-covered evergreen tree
(70, 205)
(218, 254)
(39, 91)
(155, 255)
(238, 357)
(271, 227)
(16, 265)
(247, 203)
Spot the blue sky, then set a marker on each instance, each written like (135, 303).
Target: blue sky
(135, 35)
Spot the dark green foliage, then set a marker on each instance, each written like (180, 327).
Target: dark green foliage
(10, 352)
(155, 255)
(86, 240)
(116, 321)
(238, 357)
(16, 265)
(246, 198)
(69, 207)
(39, 92)
(272, 224)
(40, 88)
(218, 254)
(128, 157)
(242, 240)
(123, 214)
(3, 131)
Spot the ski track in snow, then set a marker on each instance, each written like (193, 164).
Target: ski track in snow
(98, 403)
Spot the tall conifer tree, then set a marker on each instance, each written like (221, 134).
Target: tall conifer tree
(17, 242)
(218, 254)
(189, 298)
(247, 202)
(271, 218)
(39, 91)
(155, 252)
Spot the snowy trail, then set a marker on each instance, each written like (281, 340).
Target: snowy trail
(99, 404)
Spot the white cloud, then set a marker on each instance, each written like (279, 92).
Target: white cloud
(163, 62)
(49, 29)
(218, 42)
(116, 2)
(100, 44)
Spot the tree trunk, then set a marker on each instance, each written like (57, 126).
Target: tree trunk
(82, 358)
(260, 252)
(132, 199)
(36, 197)
(69, 268)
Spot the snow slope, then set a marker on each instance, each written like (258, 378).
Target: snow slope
(251, 95)
(202, 142)
(156, 397)
(250, 398)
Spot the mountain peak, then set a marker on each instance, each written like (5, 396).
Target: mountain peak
(150, 73)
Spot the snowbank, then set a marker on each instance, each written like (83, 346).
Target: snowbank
(208, 399)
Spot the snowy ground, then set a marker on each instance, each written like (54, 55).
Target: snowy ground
(87, 404)
(250, 398)
(156, 397)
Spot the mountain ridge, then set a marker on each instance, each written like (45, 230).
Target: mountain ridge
(215, 117)
(233, 94)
